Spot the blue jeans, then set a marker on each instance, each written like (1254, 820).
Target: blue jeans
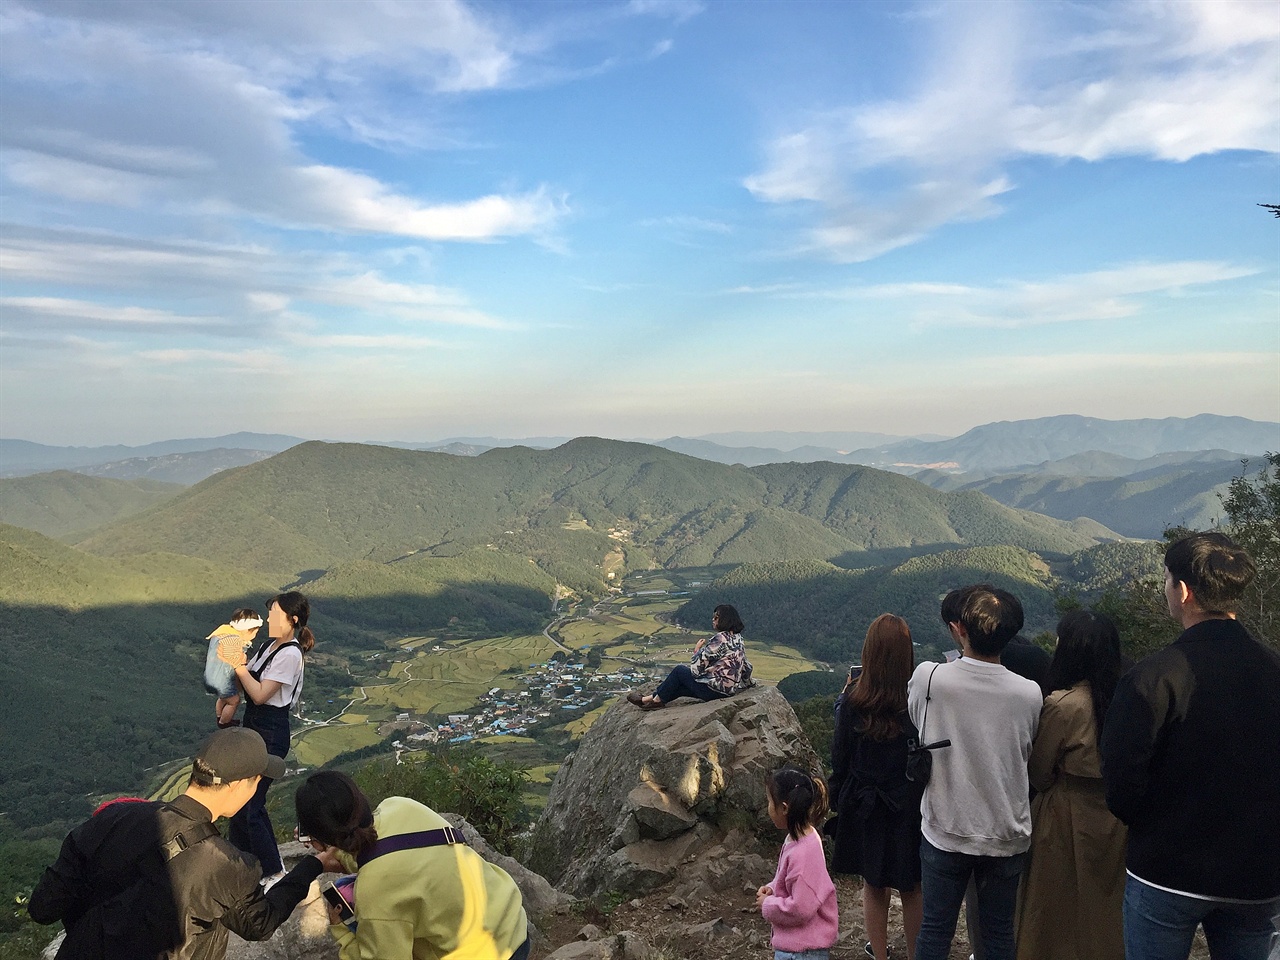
(250, 830)
(1159, 925)
(680, 683)
(802, 955)
(944, 877)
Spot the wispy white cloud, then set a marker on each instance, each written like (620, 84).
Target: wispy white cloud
(44, 312)
(1167, 80)
(237, 361)
(240, 285)
(685, 222)
(198, 107)
(1098, 295)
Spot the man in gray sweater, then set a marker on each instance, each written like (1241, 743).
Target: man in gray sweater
(976, 815)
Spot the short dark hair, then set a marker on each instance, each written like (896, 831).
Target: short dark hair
(991, 617)
(953, 602)
(1215, 570)
(729, 621)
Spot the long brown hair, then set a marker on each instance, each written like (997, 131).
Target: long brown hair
(880, 695)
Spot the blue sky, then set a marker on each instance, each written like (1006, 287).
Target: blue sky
(420, 220)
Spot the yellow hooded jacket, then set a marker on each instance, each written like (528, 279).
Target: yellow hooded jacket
(430, 903)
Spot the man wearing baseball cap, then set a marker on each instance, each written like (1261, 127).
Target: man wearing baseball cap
(157, 880)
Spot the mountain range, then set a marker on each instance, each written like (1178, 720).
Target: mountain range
(1021, 445)
(104, 629)
(317, 505)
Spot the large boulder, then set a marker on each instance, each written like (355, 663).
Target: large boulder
(648, 791)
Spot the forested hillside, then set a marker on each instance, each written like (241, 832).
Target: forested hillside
(319, 505)
(99, 667)
(824, 610)
(61, 503)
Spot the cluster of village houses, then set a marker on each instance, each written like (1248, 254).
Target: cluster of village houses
(547, 686)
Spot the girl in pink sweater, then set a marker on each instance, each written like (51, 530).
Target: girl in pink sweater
(800, 903)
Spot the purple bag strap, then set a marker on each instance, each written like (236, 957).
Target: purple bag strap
(408, 841)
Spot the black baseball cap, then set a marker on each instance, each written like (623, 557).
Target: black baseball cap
(239, 753)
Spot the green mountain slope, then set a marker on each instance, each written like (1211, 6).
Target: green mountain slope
(62, 502)
(318, 505)
(824, 610)
(103, 661)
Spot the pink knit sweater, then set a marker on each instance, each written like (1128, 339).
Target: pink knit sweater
(802, 908)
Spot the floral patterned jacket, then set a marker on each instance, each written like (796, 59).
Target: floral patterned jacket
(722, 663)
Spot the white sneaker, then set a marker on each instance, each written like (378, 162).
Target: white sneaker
(271, 881)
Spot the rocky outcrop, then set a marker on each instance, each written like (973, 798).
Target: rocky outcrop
(650, 794)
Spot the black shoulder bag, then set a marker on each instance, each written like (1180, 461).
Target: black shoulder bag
(919, 759)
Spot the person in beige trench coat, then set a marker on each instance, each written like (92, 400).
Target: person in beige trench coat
(1070, 904)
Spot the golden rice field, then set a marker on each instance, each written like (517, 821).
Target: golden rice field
(316, 746)
(452, 680)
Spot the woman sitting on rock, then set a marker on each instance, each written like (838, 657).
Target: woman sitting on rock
(719, 667)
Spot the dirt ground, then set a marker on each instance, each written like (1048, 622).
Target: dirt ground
(653, 916)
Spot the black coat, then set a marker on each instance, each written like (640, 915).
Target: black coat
(119, 898)
(1191, 761)
(876, 833)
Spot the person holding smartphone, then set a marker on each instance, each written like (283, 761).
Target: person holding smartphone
(420, 890)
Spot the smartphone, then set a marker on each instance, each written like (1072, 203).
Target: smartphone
(342, 894)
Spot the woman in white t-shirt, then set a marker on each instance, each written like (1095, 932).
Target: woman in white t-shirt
(272, 681)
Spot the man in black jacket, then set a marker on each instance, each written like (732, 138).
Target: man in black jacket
(1191, 762)
(142, 881)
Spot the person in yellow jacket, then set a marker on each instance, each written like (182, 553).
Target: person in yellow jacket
(421, 893)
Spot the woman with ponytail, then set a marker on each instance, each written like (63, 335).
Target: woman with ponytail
(420, 890)
(271, 679)
(800, 903)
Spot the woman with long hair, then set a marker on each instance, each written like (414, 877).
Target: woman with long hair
(718, 668)
(1073, 888)
(420, 890)
(877, 828)
(271, 679)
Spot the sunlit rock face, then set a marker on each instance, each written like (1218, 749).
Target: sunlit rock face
(650, 794)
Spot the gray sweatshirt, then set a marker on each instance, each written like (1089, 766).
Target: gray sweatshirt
(977, 801)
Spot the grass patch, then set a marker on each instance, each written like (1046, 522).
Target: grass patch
(318, 745)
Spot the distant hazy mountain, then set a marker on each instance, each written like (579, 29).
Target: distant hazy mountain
(181, 468)
(19, 457)
(1137, 498)
(747, 456)
(471, 446)
(791, 440)
(60, 503)
(317, 505)
(1013, 444)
